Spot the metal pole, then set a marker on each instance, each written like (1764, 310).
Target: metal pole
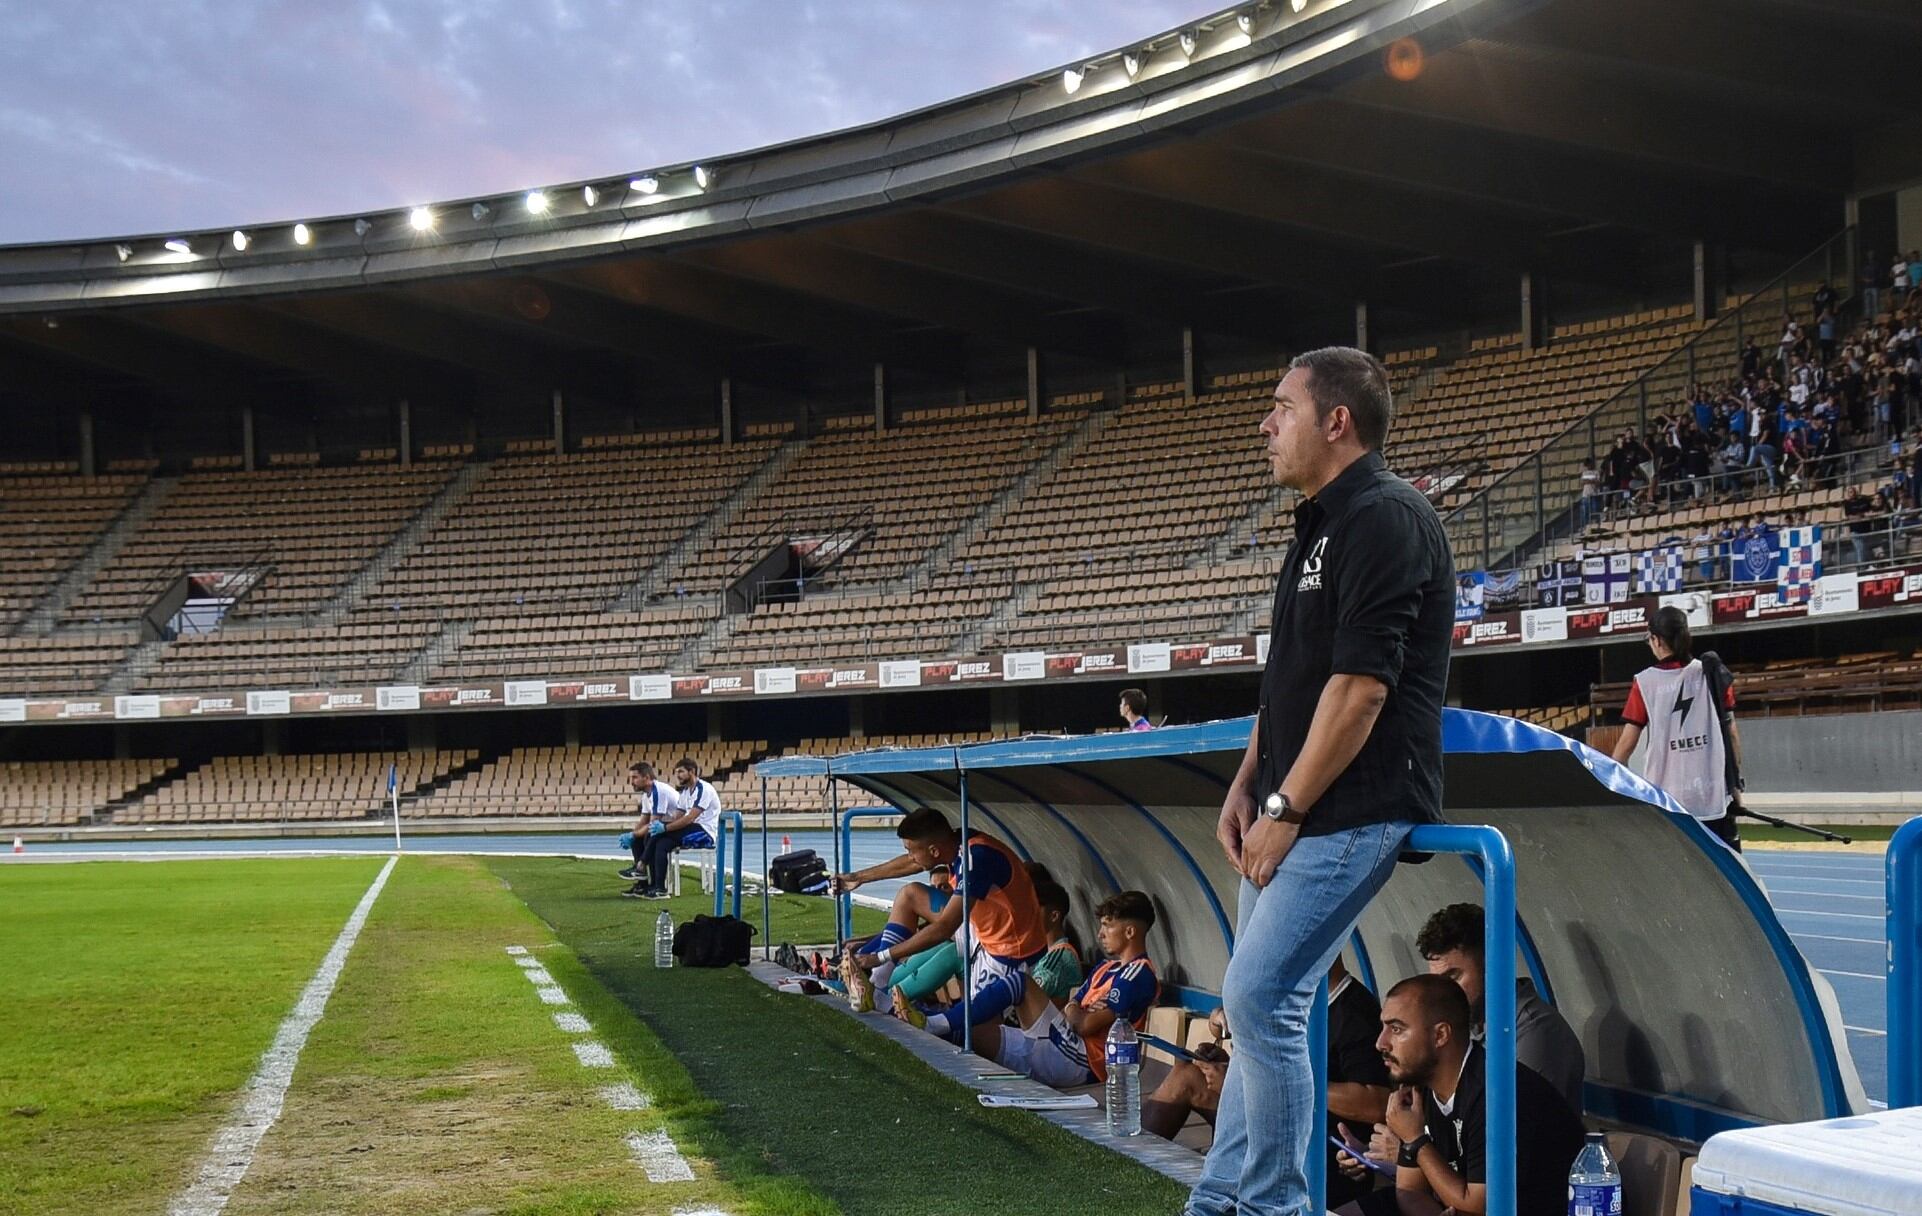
(720, 864)
(961, 877)
(1316, 1162)
(842, 930)
(767, 912)
(1904, 918)
(740, 831)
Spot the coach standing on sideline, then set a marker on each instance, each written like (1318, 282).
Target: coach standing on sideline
(1345, 757)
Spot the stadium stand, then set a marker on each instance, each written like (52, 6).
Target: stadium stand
(46, 524)
(1866, 682)
(576, 781)
(312, 528)
(794, 795)
(60, 793)
(61, 664)
(1115, 608)
(545, 644)
(847, 628)
(322, 656)
(274, 789)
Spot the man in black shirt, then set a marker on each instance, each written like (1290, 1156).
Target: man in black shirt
(1440, 1114)
(1343, 760)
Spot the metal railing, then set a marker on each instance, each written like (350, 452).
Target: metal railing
(1502, 518)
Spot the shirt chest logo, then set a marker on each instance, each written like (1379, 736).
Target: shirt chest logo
(1311, 567)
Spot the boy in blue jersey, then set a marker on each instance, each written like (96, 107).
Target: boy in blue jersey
(1064, 1047)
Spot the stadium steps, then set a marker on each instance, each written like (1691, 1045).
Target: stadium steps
(400, 548)
(1005, 614)
(695, 654)
(701, 535)
(941, 558)
(140, 661)
(40, 619)
(105, 815)
(438, 649)
(422, 796)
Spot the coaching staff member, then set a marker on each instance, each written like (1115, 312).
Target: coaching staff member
(1344, 759)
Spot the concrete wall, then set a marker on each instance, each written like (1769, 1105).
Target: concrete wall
(1827, 754)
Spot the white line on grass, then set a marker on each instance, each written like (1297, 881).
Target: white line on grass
(655, 1153)
(593, 1055)
(526, 961)
(233, 1148)
(624, 1097)
(517, 951)
(551, 996)
(573, 1023)
(537, 975)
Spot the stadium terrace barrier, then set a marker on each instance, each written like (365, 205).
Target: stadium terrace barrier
(1905, 965)
(1641, 919)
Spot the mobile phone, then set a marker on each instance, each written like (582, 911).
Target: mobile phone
(1351, 1151)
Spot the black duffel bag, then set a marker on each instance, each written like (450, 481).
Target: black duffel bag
(713, 941)
(801, 872)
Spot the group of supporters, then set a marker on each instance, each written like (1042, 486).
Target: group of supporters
(1403, 1074)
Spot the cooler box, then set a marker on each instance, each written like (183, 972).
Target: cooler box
(1864, 1165)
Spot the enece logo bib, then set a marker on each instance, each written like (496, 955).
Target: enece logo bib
(1311, 568)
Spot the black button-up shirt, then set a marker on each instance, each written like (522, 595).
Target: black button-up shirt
(1367, 588)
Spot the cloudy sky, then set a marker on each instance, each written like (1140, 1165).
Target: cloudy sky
(137, 116)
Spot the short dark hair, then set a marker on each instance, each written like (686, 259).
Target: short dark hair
(925, 824)
(687, 762)
(1671, 625)
(1128, 905)
(642, 767)
(1052, 896)
(1342, 375)
(1135, 700)
(1440, 1000)
(1038, 873)
(1456, 927)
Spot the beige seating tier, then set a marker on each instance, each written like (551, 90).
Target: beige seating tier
(322, 657)
(809, 795)
(859, 628)
(46, 524)
(578, 781)
(57, 793)
(61, 664)
(538, 645)
(276, 789)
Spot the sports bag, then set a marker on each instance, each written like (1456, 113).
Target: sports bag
(713, 941)
(801, 872)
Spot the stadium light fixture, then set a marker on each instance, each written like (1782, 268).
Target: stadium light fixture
(645, 185)
(303, 235)
(241, 240)
(1071, 80)
(421, 219)
(1245, 22)
(479, 211)
(1297, 5)
(123, 252)
(702, 177)
(180, 246)
(1131, 62)
(537, 202)
(363, 226)
(1187, 41)
(590, 196)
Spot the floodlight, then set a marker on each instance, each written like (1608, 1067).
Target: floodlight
(479, 211)
(1187, 41)
(363, 226)
(1131, 63)
(123, 252)
(646, 185)
(1071, 80)
(241, 241)
(303, 235)
(590, 195)
(701, 177)
(537, 202)
(180, 246)
(1297, 5)
(1245, 22)
(420, 219)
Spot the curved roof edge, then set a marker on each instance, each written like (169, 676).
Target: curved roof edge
(998, 132)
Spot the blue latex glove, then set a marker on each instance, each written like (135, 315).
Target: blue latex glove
(656, 828)
(627, 842)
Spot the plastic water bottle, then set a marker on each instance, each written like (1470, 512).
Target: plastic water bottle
(1594, 1184)
(664, 939)
(1124, 1080)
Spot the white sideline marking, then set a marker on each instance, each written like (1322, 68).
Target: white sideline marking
(517, 950)
(700, 1212)
(593, 1055)
(625, 1097)
(551, 996)
(656, 1154)
(537, 975)
(527, 960)
(232, 1151)
(572, 1023)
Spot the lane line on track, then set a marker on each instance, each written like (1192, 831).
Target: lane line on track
(1860, 941)
(1826, 894)
(1880, 1034)
(1838, 915)
(232, 1151)
(1856, 975)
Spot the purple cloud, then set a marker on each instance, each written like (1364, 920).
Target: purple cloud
(135, 116)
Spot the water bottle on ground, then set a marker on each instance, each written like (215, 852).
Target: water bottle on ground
(1124, 1080)
(1594, 1183)
(664, 939)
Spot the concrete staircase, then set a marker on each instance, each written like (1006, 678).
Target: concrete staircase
(702, 534)
(140, 661)
(439, 648)
(400, 548)
(693, 656)
(1005, 613)
(44, 616)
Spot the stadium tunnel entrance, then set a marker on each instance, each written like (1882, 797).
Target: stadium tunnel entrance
(1634, 921)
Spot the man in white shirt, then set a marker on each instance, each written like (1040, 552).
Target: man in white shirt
(658, 802)
(695, 821)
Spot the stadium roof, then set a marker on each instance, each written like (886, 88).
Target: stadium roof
(1256, 175)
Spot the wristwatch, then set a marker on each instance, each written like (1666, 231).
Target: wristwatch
(1410, 1155)
(1280, 807)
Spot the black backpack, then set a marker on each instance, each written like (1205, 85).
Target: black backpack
(713, 941)
(801, 872)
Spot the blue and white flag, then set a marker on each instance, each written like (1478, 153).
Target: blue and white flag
(1658, 571)
(393, 777)
(1799, 564)
(1753, 558)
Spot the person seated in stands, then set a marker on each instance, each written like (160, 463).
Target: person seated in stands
(1134, 709)
(658, 803)
(1004, 919)
(1059, 972)
(915, 904)
(1452, 942)
(1439, 1114)
(696, 817)
(1065, 1046)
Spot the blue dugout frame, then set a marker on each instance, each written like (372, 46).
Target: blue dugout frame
(1904, 919)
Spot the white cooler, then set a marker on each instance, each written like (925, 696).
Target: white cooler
(1864, 1165)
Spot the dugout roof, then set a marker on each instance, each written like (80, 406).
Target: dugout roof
(1695, 1010)
(1258, 185)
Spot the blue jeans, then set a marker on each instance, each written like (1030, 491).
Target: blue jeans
(1288, 936)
